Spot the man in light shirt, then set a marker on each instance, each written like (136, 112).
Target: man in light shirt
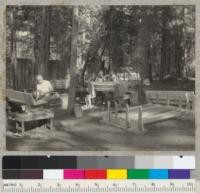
(43, 87)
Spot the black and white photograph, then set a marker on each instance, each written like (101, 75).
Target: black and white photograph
(100, 77)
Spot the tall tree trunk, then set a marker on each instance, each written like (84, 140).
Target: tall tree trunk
(42, 42)
(163, 58)
(41, 62)
(131, 51)
(179, 52)
(84, 69)
(165, 41)
(73, 61)
(150, 64)
(13, 49)
(36, 44)
(47, 32)
(90, 57)
(144, 42)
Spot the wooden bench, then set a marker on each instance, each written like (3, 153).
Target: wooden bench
(134, 118)
(122, 90)
(33, 111)
(108, 86)
(182, 99)
(23, 98)
(61, 85)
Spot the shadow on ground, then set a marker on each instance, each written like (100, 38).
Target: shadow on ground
(89, 134)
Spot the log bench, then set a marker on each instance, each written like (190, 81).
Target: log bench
(32, 110)
(134, 118)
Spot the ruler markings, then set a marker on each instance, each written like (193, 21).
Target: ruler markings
(113, 186)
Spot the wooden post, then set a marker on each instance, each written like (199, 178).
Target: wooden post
(116, 109)
(180, 103)
(157, 98)
(140, 121)
(127, 115)
(109, 111)
(193, 102)
(23, 128)
(27, 101)
(17, 126)
(187, 101)
(168, 99)
(137, 125)
(51, 124)
(148, 97)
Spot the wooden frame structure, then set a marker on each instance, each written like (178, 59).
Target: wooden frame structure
(162, 105)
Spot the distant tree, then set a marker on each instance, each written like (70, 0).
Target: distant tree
(73, 60)
(13, 42)
(42, 40)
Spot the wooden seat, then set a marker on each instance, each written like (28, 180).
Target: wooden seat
(35, 110)
(44, 114)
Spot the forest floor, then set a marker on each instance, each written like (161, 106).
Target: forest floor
(89, 134)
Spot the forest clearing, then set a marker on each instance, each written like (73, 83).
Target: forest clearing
(95, 78)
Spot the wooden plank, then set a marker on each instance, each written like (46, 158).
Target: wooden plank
(104, 86)
(157, 107)
(152, 107)
(161, 117)
(155, 112)
(22, 98)
(132, 115)
(152, 112)
(15, 96)
(31, 116)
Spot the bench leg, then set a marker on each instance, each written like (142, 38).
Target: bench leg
(23, 128)
(51, 124)
(17, 125)
(137, 126)
(140, 121)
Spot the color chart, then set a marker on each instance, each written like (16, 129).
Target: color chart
(99, 162)
(98, 174)
(109, 174)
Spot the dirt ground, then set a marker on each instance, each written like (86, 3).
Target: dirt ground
(89, 134)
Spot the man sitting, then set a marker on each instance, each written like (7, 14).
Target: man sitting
(43, 88)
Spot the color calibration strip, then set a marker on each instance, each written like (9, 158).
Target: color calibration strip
(98, 162)
(99, 186)
(110, 174)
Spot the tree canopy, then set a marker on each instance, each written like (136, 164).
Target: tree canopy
(156, 41)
